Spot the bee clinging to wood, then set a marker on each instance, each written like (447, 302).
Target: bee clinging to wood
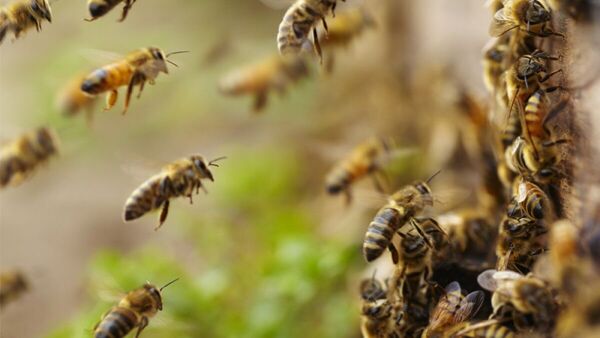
(180, 178)
(99, 8)
(135, 69)
(21, 15)
(20, 158)
(275, 73)
(12, 285)
(134, 310)
(299, 20)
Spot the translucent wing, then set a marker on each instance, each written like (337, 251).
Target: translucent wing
(486, 280)
(277, 4)
(469, 306)
(100, 57)
(502, 22)
(443, 313)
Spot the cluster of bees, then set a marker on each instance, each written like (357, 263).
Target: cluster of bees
(531, 277)
(182, 178)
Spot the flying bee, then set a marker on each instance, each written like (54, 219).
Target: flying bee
(71, 100)
(134, 310)
(364, 160)
(530, 16)
(21, 15)
(274, 73)
(451, 310)
(177, 179)
(526, 295)
(402, 206)
(136, 68)
(20, 158)
(99, 8)
(12, 285)
(299, 20)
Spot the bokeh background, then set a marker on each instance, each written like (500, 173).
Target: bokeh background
(266, 253)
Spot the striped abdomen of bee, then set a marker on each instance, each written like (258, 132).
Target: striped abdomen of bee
(531, 199)
(99, 8)
(298, 21)
(380, 232)
(117, 323)
(513, 128)
(107, 78)
(12, 285)
(151, 195)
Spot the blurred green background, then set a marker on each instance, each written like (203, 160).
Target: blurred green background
(266, 253)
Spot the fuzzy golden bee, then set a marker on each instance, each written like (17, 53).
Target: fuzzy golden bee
(133, 311)
(98, 8)
(21, 15)
(403, 205)
(365, 160)
(451, 311)
(275, 73)
(135, 69)
(20, 158)
(177, 179)
(530, 16)
(71, 100)
(299, 20)
(377, 311)
(12, 285)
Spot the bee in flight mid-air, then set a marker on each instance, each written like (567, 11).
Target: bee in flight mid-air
(12, 285)
(136, 68)
(99, 8)
(21, 15)
(134, 310)
(180, 178)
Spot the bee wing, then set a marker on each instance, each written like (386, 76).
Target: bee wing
(451, 198)
(486, 280)
(506, 275)
(444, 310)
(501, 22)
(469, 307)
(100, 57)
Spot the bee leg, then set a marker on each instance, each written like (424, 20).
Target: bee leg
(141, 89)
(163, 216)
(142, 326)
(325, 26)
(111, 99)
(317, 45)
(394, 252)
(260, 101)
(417, 227)
(347, 197)
(135, 79)
(126, 8)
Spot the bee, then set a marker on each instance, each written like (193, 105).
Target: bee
(469, 232)
(134, 310)
(526, 295)
(530, 201)
(274, 73)
(520, 241)
(530, 16)
(177, 179)
(451, 310)
(522, 158)
(12, 285)
(494, 55)
(72, 100)
(99, 8)
(137, 68)
(378, 312)
(365, 160)
(19, 159)
(21, 15)
(297, 23)
(402, 206)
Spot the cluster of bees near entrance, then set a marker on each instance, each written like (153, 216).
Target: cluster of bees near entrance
(522, 261)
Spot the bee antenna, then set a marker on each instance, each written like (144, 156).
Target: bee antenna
(433, 176)
(178, 52)
(173, 63)
(169, 283)
(216, 160)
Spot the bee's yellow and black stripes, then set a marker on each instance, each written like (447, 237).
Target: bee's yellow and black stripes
(116, 324)
(533, 116)
(145, 198)
(108, 78)
(298, 21)
(380, 232)
(492, 331)
(512, 130)
(100, 7)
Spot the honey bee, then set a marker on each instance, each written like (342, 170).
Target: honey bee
(134, 310)
(365, 160)
(12, 285)
(137, 68)
(526, 295)
(275, 73)
(177, 179)
(19, 159)
(377, 320)
(402, 206)
(21, 15)
(530, 16)
(530, 201)
(522, 158)
(451, 310)
(493, 62)
(469, 233)
(99, 8)
(72, 100)
(297, 23)
(519, 243)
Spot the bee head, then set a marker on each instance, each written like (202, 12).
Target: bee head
(41, 9)
(378, 309)
(159, 59)
(154, 292)
(528, 66)
(201, 167)
(516, 227)
(537, 13)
